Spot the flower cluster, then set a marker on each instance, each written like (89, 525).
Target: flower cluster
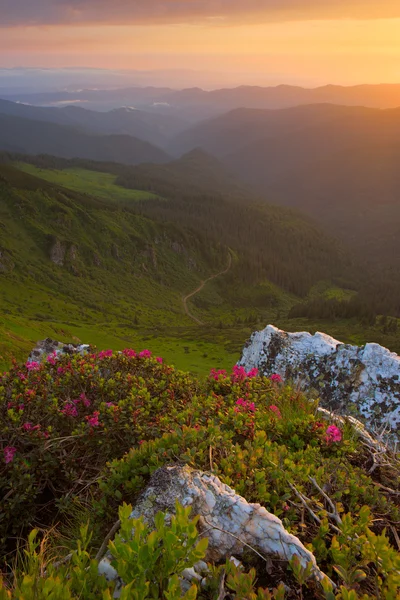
(9, 453)
(218, 374)
(240, 374)
(243, 405)
(333, 434)
(276, 378)
(33, 366)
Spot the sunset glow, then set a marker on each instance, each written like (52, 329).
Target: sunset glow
(318, 47)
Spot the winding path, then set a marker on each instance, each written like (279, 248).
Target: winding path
(201, 286)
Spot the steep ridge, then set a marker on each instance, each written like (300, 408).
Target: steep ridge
(39, 137)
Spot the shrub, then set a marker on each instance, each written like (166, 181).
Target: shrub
(94, 428)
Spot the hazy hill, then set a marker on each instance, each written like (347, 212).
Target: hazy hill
(231, 131)
(339, 164)
(151, 127)
(39, 137)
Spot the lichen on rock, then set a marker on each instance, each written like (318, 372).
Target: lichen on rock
(359, 380)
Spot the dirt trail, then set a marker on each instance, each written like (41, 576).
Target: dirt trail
(201, 286)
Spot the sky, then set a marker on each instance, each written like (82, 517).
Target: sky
(264, 42)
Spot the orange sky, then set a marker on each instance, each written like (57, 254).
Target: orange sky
(309, 51)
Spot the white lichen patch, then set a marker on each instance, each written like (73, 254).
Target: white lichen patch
(358, 380)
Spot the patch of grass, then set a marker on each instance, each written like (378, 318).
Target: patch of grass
(101, 185)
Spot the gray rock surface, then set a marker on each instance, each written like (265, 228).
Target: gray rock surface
(363, 381)
(229, 521)
(48, 346)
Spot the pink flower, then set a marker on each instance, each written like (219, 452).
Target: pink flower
(27, 426)
(276, 411)
(9, 452)
(217, 374)
(93, 420)
(159, 360)
(245, 405)
(238, 374)
(61, 370)
(105, 354)
(22, 376)
(52, 358)
(110, 404)
(333, 434)
(252, 372)
(32, 366)
(145, 354)
(276, 378)
(129, 353)
(70, 410)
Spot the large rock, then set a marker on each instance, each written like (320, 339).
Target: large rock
(227, 519)
(48, 347)
(359, 380)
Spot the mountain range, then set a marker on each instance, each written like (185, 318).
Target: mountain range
(196, 103)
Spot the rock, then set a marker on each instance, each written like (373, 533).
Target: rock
(359, 380)
(6, 264)
(229, 521)
(57, 253)
(48, 346)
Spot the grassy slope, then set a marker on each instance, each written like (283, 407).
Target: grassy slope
(140, 285)
(128, 301)
(95, 183)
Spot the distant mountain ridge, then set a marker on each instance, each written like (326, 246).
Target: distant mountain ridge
(196, 103)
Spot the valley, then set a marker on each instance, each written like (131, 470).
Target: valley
(125, 269)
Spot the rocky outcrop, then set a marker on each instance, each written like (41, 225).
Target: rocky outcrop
(6, 264)
(49, 347)
(229, 521)
(57, 253)
(359, 380)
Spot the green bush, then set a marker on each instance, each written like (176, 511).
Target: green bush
(92, 429)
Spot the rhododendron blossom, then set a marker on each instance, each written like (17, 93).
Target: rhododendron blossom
(70, 410)
(9, 453)
(238, 374)
(333, 434)
(276, 378)
(159, 360)
(32, 366)
(276, 411)
(241, 403)
(105, 354)
(217, 374)
(129, 353)
(252, 373)
(145, 354)
(52, 358)
(93, 420)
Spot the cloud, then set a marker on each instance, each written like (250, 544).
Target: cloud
(42, 12)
